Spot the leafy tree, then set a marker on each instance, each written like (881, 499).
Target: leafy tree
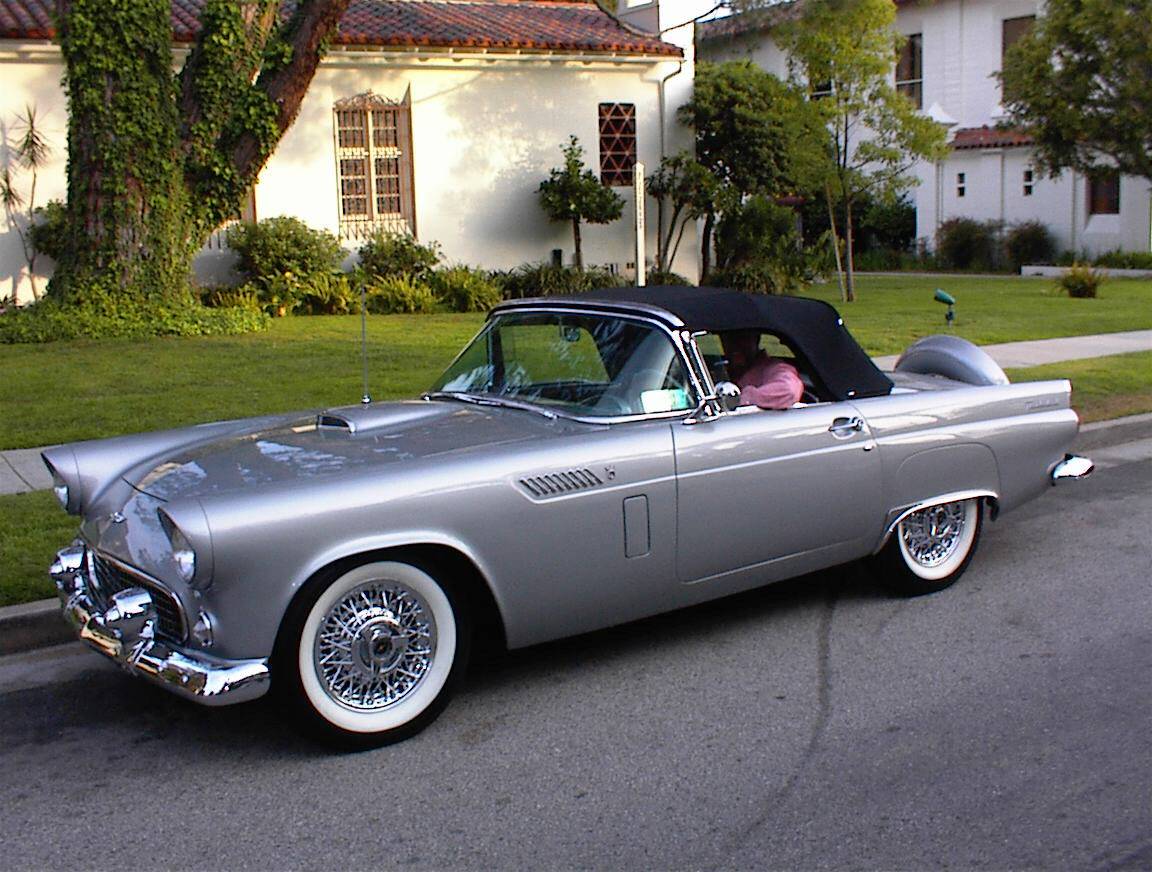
(873, 134)
(29, 153)
(573, 193)
(1081, 84)
(754, 134)
(157, 160)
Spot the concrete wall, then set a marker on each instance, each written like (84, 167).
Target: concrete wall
(486, 130)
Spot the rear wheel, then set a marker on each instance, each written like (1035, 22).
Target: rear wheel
(372, 656)
(930, 549)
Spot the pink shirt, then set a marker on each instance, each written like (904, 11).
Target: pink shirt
(770, 383)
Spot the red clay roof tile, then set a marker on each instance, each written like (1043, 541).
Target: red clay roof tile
(552, 25)
(989, 137)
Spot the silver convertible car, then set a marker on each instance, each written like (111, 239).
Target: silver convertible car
(585, 461)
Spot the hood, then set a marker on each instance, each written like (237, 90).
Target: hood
(336, 442)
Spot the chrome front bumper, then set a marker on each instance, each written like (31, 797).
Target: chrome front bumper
(125, 632)
(1072, 468)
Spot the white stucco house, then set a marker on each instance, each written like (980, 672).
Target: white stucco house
(948, 67)
(438, 117)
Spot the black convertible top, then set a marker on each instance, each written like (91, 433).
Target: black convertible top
(813, 329)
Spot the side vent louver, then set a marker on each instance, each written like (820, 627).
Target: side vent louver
(557, 483)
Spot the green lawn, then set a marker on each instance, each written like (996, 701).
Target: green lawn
(892, 312)
(61, 392)
(33, 528)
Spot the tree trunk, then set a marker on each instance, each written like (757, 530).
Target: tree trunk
(850, 274)
(578, 255)
(126, 229)
(835, 242)
(706, 246)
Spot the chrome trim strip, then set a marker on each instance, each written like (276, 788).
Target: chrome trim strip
(1072, 468)
(127, 637)
(895, 516)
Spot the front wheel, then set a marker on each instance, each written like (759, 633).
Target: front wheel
(372, 656)
(930, 549)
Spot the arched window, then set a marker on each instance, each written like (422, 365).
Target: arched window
(374, 163)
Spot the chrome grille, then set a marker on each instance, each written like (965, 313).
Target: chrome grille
(111, 578)
(556, 483)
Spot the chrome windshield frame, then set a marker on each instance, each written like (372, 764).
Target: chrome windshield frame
(681, 339)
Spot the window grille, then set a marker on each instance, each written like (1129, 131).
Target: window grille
(1029, 181)
(374, 164)
(961, 184)
(910, 70)
(617, 143)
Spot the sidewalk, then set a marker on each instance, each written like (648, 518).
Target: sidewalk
(21, 470)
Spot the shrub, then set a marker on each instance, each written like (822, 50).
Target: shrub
(1029, 242)
(463, 289)
(48, 229)
(399, 294)
(395, 254)
(964, 243)
(283, 246)
(1081, 281)
(102, 317)
(887, 226)
(668, 278)
(759, 250)
(1118, 259)
(328, 294)
(545, 279)
(229, 297)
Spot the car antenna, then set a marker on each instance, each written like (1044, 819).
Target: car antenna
(366, 399)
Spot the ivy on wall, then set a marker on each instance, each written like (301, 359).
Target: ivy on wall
(157, 159)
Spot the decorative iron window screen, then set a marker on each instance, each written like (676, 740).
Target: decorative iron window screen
(374, 164)
(617, 143)
(910, 70)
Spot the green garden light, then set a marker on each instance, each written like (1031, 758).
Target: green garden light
(942, 297)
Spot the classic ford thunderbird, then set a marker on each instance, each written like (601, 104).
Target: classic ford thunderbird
(583, 462)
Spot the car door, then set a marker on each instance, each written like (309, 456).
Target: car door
(795, 489)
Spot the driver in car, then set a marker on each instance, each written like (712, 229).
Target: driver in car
(764, 381)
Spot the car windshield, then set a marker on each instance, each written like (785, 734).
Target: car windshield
(581, 365)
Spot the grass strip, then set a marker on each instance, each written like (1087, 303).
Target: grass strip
(33, 528)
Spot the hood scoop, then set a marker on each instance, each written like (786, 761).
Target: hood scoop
(358, 419)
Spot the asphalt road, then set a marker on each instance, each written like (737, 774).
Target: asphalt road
(1003, 724)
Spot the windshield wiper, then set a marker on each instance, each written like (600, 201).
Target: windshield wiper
(488, 400)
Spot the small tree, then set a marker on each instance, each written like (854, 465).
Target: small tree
(573, 193)
(29, 153)
(686, 190)
(1080, 83)
(874, 134)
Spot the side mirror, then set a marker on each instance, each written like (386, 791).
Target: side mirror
(728, 395)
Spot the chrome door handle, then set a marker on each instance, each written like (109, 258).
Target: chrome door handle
(844, 427)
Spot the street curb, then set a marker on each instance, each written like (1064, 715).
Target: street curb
(33, 625)
(40, 624)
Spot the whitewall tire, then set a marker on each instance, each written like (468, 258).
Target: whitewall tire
(372, 655)
(930, 549)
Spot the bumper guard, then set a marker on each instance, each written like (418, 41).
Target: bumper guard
(125, 633)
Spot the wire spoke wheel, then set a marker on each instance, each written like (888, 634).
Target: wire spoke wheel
(375, 645)
(930, 548)
(375, 652)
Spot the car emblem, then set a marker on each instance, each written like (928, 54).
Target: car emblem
(117, 518)
(610, 472)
